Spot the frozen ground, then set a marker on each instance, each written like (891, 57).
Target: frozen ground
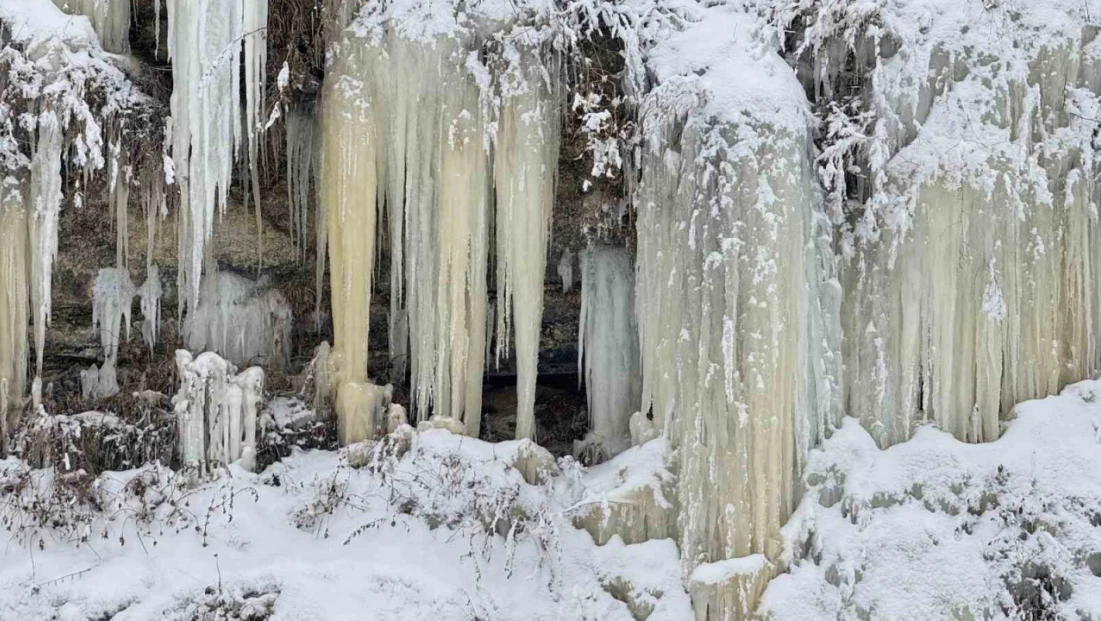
(448, 531)
(937, 529)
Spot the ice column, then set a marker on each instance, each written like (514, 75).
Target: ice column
(525, 172)
(216, 410)
(608, 358)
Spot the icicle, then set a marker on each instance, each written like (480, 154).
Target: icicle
(245, 321)
(15, 303)
(302, 171)
(120, 198)
(419, 147)
(45, 208)
(565, 270)
(151, 292)
(607, 346)
(205, 44)
(349, 184)
(112, 304)
(525, 171)
(216, 411)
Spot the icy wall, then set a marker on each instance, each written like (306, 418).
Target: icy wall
(922, 251)
(110, 18)
(738, 363)
(970, 233)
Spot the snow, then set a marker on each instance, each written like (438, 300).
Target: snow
(934, 527)
(430, 532)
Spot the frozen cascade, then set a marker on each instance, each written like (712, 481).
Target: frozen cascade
(58, 57)
(565, 270)
(216, 410)
(737, 333)
(245, 321)
(205, 45)
(607, 346)
(969, 275)
(112, 307)
(525, 172)
(404, 120)
(14, 302)
(151, 291)
(110, 19)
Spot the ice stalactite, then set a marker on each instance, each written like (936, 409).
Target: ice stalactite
(110, 19)
(151, 292)
(205, 43)
(245, 321)
(112, 307)
(607, 345)
(217, 409)
(349, 183)
(405, 120)
(525, 171)
(971, 255)
(44, 211)
(14, 301)
(565, 270)
(120, 173)
(303, 163)
(733, 327)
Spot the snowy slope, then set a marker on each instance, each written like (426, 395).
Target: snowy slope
(430, 535)
(934, 528)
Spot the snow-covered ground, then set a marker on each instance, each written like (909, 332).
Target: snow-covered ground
(929, 529)
(937, 529)
(450, 530)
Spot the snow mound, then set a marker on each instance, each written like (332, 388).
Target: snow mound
(934, 528)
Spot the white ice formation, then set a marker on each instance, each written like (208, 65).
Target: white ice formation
(607, 345)
(216, 411)
(971, 259)
(246, 321)
(738, 358)
(53, 65)
(112, 310)
(411, 115)
(208, 42)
